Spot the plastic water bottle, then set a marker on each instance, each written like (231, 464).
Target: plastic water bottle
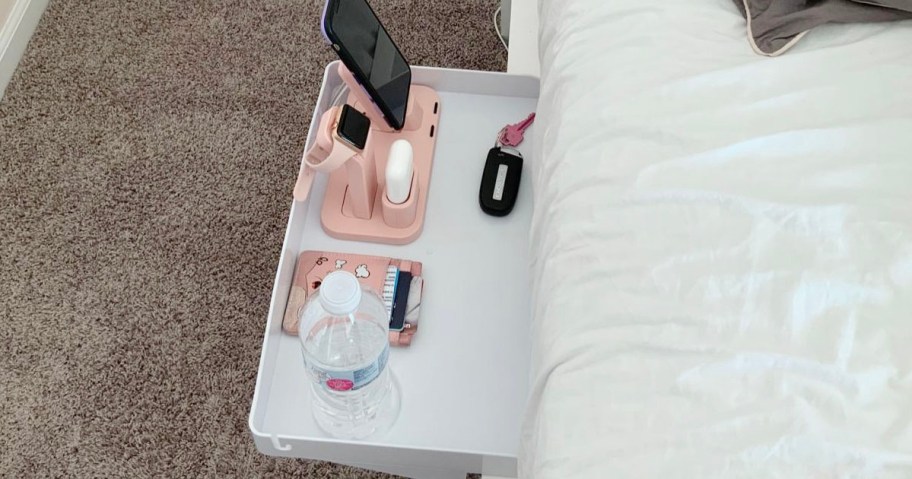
(344, 333)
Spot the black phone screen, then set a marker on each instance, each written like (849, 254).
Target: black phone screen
(360, 39)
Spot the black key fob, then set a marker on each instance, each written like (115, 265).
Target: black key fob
(500, 182)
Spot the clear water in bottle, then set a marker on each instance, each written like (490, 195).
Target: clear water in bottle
(344, 334)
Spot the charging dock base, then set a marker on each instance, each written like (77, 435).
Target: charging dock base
(421, 131)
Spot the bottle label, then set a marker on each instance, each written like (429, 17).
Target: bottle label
(341, 381)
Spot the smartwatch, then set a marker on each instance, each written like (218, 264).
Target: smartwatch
(349, 137)
(353, 127)
(342, 135)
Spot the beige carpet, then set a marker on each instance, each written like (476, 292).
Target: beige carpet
(147, 155)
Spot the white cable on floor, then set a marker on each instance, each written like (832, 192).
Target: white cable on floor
(497, 29)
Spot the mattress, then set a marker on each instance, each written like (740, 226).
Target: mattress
(723, 248)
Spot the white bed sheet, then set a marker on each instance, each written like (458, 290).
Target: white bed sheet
(723, 248)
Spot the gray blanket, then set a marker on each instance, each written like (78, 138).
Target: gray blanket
(775, 25)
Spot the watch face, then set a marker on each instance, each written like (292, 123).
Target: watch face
(354, 127)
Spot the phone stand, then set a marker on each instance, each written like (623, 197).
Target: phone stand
(355, 206)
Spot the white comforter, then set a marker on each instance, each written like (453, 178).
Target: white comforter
(724, 248)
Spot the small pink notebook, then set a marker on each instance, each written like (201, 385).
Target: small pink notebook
(381, 274)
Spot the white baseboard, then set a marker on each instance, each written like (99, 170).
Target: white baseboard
(15, 34)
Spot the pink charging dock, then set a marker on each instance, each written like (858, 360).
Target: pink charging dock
(392, 224)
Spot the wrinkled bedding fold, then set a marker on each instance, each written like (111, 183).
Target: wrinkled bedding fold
(723, 248)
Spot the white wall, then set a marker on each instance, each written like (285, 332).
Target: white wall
(18, 19)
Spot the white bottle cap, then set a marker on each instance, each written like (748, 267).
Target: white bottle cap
(340, 293)
(399, 170)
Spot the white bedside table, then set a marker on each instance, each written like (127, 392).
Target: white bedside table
(522, 18)
(465, 380)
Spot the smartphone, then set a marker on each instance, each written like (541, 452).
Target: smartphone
(364, 46)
